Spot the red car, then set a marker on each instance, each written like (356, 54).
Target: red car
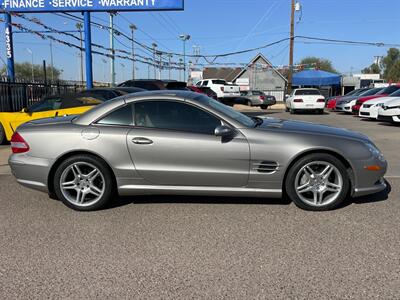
(383, 93)
(331, 103)
(204, 90)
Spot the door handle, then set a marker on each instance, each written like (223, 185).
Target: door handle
(142, 141)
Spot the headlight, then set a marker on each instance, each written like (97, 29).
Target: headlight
(375, 151)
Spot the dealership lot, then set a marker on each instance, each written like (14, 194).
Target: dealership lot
(204, 247)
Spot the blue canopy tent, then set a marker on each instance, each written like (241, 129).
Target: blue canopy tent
(316, 78)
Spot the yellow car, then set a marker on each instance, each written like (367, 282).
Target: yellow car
(51, 106)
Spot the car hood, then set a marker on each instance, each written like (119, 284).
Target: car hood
(310, 128)
(366, 98)
(382, 100)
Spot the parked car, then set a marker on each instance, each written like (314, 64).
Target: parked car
(345, 105)
(331, 103)
(305, 99)
(155, 84)
(258, 98)
(111, 93)
(390, 111)
(382, 93)
(370, 108)
(203, 90)
(83, 160)
(49, 106)
(225, 91)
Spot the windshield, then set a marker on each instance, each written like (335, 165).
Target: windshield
(389, 90)
(395, 94)
(226, 110)
(359, 92)
(371, 92)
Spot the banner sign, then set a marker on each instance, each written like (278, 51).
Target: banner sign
(32, 6)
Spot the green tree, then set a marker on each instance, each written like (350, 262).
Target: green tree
(23, 71)
(319, 63)
(390, 65)
(372, 69)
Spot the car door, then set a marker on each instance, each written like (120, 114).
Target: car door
(173, 143)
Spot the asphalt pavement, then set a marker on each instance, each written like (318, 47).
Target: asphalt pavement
(205, 247)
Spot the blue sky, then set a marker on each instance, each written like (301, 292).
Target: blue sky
(221, 26)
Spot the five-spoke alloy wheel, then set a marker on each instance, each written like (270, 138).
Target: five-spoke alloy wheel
(317, 182)
(83, 183)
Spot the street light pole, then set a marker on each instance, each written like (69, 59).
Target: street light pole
(51, 61)
(79, 27)
(154, 59)
(184, 38)
(290, 74)
(112, 58)
(33, 72)
(133, 28)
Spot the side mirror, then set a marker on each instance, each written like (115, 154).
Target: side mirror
(223, 131)
(25, 110)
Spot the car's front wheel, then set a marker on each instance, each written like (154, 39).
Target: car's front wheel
(84, 183)
(317, 182)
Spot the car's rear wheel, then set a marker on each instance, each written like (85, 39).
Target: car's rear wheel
(3, 138)
(84, 183)
(317, 182)
(292, 111)
(287, 109)
(264, 106)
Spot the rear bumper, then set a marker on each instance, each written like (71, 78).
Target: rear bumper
(30, 171)
(310, 106)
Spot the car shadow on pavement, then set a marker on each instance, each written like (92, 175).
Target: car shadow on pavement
(389, 124)
(179, 199)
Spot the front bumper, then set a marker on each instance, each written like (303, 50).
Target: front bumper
(368, 182)
(30, 171)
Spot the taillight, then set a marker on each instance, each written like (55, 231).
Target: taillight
(321, 100)
(298, 100)
(18, 144)
(262, 97)
(222, 89)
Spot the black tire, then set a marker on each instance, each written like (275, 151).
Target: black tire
(264, 106)
(320, 111)
(3, 138)
(292, 111)
(286, 109)
(109, 186)
(298, 165)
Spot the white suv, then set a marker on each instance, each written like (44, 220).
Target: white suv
(305, 99)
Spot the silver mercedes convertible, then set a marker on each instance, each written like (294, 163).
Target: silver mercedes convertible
(177, 142)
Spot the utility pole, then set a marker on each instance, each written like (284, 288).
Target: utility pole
(169, 66)
(51, 61)
(184, 38)
(290, 74)
(79, 27)
(32, 67)
(133, 28)
(159, 53)
(180, 68)
(154, 45)
(112, 58)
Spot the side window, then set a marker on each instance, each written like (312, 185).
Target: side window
(120, 117)
(199, 83)
(205, 82)
(46, 104)
(173, 115)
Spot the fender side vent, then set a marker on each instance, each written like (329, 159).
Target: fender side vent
(266, 167)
